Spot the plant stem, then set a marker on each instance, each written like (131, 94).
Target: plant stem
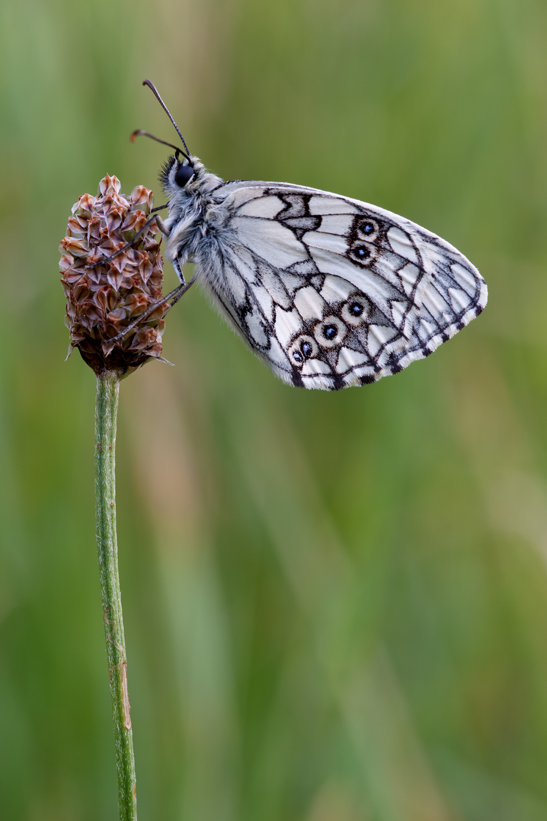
(106, 409)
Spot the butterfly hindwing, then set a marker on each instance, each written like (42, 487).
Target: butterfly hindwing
(331, 292)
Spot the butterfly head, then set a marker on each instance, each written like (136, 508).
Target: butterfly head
(181, 169)
(181, 173)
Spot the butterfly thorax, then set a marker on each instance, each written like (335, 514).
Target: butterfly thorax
(193, 212)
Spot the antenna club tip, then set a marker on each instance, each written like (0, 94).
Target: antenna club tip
(135, 134)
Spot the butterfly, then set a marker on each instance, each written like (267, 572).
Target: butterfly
(328, 291)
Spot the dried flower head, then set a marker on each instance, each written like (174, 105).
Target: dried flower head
(104, 301)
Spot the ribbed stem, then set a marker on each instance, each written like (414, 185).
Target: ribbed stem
(106, 410)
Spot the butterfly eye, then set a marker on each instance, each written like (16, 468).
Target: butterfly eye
(183, 174)
(330, 332)
(356, 310)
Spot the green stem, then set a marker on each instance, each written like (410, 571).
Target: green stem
(106, 409)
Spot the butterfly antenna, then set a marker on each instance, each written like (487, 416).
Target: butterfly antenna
(140, 133)
(151, 86)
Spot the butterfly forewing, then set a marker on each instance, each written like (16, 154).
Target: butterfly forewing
(332, 292)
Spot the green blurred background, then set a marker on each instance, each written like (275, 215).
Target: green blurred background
(336, 604)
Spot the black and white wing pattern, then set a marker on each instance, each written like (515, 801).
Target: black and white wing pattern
(331, 292)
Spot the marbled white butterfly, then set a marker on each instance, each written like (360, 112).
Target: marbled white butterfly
(328, 291)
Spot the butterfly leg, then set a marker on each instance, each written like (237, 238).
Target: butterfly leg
(159, 222)
(176, 264)
(161, 225)
(178, 271)
(173, 297)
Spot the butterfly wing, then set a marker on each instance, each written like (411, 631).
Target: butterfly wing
(331, 292)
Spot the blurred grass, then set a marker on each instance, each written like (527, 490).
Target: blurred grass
(336, 605)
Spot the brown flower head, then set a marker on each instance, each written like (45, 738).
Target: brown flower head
(104, 301)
